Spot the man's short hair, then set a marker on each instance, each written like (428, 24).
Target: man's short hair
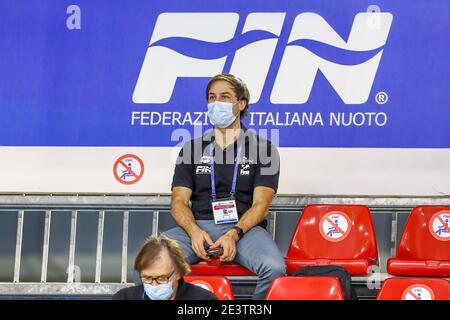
(152, 249)
(239, 87)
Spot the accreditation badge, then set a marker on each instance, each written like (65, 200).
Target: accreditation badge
(224, 211)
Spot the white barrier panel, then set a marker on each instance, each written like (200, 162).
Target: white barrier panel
(341, 171)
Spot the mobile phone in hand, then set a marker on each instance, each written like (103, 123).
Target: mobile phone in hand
(214, 252)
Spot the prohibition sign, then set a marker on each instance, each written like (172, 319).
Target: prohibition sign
(418, 292)
(128, 169)
(335, 226)
(439, 225)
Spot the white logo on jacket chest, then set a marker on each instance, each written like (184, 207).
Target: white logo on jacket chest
(245, 170)
(203, 170)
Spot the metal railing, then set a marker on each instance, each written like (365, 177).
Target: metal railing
(154, 204)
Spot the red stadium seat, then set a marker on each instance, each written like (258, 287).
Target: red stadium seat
(227, 268)
(219, 285)
(305, 288)
(340, 235)
(424, 248)
(414, 289)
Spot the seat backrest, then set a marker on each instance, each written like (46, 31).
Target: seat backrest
(414, 289)
(219, 285)
(334, 232)
(305, 288)
(426, 235)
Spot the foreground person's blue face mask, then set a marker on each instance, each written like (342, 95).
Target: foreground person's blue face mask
(221, 114)
(159, 292)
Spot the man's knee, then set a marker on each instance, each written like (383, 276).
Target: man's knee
(173, 233)
(177, 234)
(272, 268)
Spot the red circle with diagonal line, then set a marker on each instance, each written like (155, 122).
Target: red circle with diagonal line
(130, 166)
(333, 231)
(418, 292)
(439, 225)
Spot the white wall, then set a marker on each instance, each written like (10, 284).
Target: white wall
(316, 171)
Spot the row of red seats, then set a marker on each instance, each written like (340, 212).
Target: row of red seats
(343, 235)
(329, 288)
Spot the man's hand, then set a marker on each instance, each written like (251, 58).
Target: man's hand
(228, 244)
(198, 238)
(185, 219)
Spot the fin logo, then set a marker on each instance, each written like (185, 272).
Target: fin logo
(192, 45)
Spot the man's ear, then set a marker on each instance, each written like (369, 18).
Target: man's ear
(242, 104)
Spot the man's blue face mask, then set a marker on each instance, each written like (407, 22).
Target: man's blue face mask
(159, 292)
(221, 114)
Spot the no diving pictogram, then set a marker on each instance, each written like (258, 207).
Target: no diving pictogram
(418, 292)
(128, 169)
(439, 225)
(335, 226)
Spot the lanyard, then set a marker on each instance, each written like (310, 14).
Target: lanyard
(213, 175)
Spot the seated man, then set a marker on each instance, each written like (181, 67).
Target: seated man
(230, 176)
(161, 266)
